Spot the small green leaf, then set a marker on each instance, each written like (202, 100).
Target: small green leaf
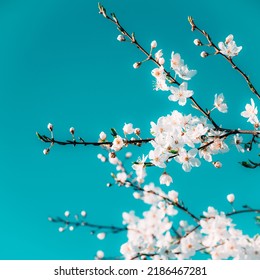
(246, 164)
(114, 17)
(148, 164)
(190, 19)
(39, 136)
(113, 132)
(99, 6)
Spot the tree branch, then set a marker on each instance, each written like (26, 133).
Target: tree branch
(227, 58)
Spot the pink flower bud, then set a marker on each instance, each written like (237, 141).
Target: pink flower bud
(101, 235)
(72, 130)
(61, 229)
(161, 60)
(50, 127)
(153, 44)
(83, 213)
(128, 155)
(100, 254)
(121, 38)
(66, 213)
(217, 164)
(137, 65)
(102, 136)
(137, 195)
(197, 42)
(46, 151)
(230, 198)
(204, 54)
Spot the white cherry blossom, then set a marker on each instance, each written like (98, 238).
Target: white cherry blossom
(229, 48)
(158, 158)
(180, 94)
(187, 159)
(165, 179)
(118, 143)
(251, 112)
(128, 128)
(219, 103)
(177, 64)
(238, 140)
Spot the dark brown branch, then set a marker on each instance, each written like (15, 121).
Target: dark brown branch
(112, 229)
(246, 210)
(149, 56)
(228, 58)
(47, 139)
(230, 132)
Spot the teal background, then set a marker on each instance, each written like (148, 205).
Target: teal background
(60, 62)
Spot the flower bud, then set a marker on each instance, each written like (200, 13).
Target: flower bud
(71, 228)
(137, 195)
(100, 254)
(66, 213)
(101, 235)
(103, 159)
(46, 151)
(72, 130)
(197, 42)
(161, 60)
(204, 54)
(83, 213)
(230, 198)
(121, 38)
(217, 164)
(137, 65)
(128, 155)
(137, 131)
(50, 127)
(153, 44)
(102, 136)
(183, 223)
(61, 229)
(112, 155)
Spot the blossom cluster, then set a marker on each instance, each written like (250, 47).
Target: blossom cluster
(178, 94)
(153, 237)
(184, 138)
(227, 48)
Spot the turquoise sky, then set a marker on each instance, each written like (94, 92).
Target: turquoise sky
(60, 62)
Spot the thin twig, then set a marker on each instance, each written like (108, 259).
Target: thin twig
(228, 58)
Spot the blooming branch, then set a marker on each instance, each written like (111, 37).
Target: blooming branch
(185, 139)
(79, 221)
(227, 51)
